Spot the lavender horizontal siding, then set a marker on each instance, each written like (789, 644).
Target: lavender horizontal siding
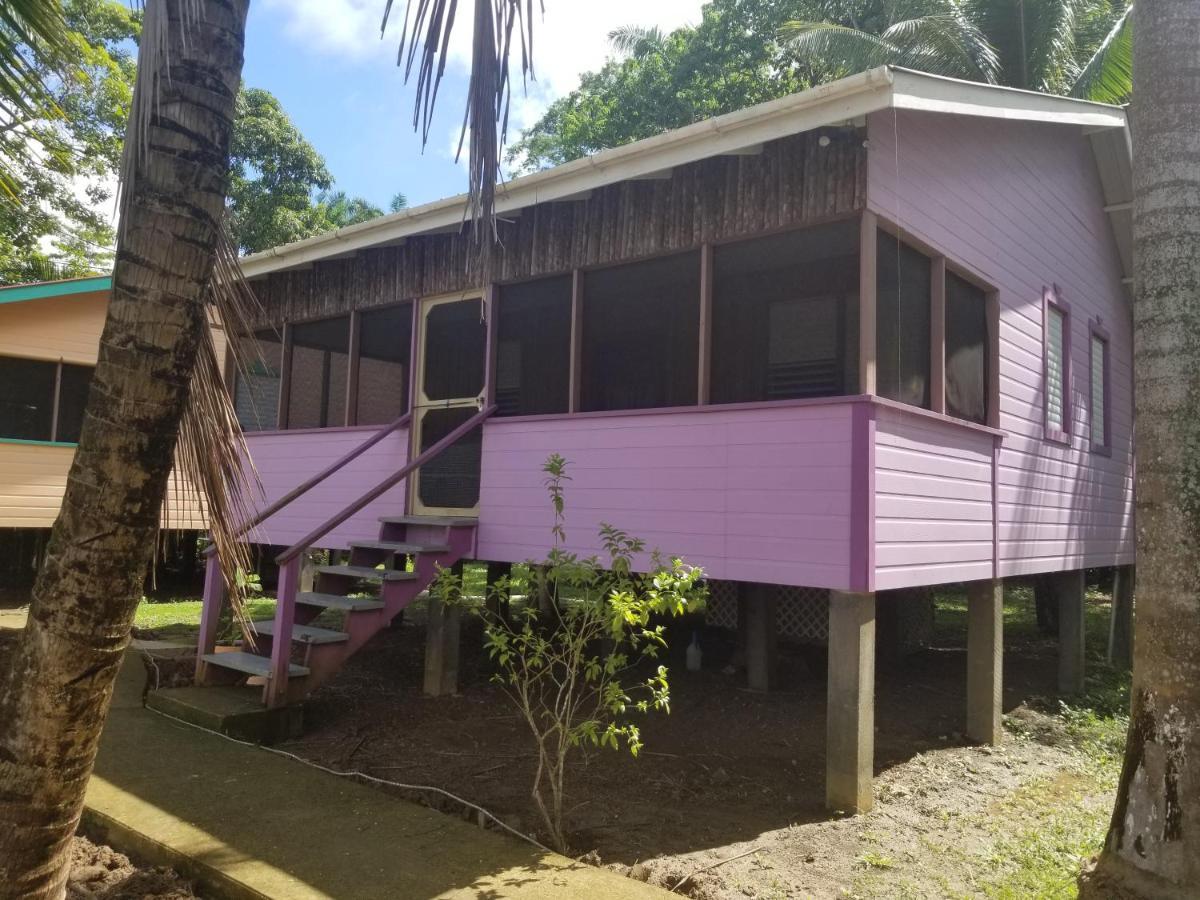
(285, 460)
(1020, 205)
(933, 501)
(759, 494)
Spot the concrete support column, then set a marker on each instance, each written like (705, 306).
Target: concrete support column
(496, 571)
(985, 659)
(441, 646)
(850, 715)
(761, 637)
(1069, 590)
(1120, 633)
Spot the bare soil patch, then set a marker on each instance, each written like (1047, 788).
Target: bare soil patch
(731, 771)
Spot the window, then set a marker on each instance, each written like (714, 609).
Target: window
(256, 391)
(319, 372)
(966, 350)
(904, 278)
(785, 316)
(1098, 401)
(385, 345)
(641, 335)
(533, 347)
(42, 400)
(1057, 339)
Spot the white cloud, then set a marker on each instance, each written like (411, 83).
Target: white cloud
(342, 28)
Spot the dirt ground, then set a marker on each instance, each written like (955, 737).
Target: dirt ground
(731, 771)
(101, 873)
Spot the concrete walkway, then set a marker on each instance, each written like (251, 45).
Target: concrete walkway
(248, 823)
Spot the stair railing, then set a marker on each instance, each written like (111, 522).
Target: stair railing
(289, 560)
(214, 582)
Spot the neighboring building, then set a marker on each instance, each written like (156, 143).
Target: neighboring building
(867, 338)
(49, 342)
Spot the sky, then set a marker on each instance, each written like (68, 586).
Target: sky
(339, 82)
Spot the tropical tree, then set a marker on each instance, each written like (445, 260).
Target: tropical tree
(156, 396)
(1153, 843)
(1057, 46)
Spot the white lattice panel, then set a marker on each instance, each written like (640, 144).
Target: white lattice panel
(800, 613)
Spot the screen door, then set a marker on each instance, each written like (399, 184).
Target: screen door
(449, 391)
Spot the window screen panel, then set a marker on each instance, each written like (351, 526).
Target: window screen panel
(1099, 386)
(27, 399)
(966, 350)
(903, 283)
(1055, 368)
(256, 390)
(72, 399)
(385, 348)
(533, 348)
(320, 368)
(641, 334)
(451, 479)
(781, 315)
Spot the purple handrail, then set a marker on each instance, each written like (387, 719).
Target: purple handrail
(306, 486)
(384, 486)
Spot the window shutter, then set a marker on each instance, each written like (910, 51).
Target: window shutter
(1055, 359)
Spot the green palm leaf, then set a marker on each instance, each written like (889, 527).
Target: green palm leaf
(946, 44)
(828, 43)
(1108, 75)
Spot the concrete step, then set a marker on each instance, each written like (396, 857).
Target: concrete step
(367, 572)
(235, 711)
(337, 601)
(432, 521)
(250, 663)
(395, 547)
(304, 634)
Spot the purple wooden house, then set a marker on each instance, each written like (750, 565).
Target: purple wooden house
(868, 338)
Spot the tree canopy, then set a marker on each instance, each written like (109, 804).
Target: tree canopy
(57, 222)
(748, 51)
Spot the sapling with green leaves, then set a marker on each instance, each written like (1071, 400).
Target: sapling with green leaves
(576, 666)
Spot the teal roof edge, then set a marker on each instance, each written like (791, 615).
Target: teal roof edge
(20, 292)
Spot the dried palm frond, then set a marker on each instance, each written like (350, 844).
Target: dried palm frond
(424, 45)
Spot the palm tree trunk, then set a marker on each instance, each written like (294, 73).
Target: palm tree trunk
(55, 692)
(1153, 843)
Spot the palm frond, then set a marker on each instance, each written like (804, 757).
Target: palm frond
(828, 43)
(945, 44)
(1108, 76)
(424, 44)
(636, 40)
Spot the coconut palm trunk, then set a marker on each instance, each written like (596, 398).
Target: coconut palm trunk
(55, 693)
(1153, 843)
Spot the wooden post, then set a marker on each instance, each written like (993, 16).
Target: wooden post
(850, 711)
(441, 646)
(985, 660)
(993, 360)
(1069, 589)
(496, 571)
(352, 367)
(210, 613)
(867, 249)
(285, 377)
(761, 637)
(1120, 632)
(704, 375)
(575, 378)
(937, 335)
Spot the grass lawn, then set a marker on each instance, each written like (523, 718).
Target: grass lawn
(179, 619)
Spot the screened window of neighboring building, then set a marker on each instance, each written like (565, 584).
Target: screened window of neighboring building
(1098, 395)
(903, 282)
(256, 390)
(319, 372)
(384, 351)
(641, 334)
(533, 347)
(966, 350)
(784, 316)
(1058, 368)
(27, 399)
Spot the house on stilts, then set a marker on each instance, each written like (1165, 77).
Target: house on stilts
(871, 337)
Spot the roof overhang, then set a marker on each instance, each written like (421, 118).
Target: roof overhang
(18, 293)
(827, 105)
